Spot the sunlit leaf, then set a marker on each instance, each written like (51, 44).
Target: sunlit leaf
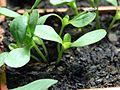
(48, 33)
(89, 38)
(58, 2)
(83, 19)
(17, 57)
(7, 12)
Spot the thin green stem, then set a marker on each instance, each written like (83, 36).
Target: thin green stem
(35, 58)
(60, 34)
(97, 15)
(60, 56)
(45, 49)
(92, 3)
(61, 30)
(40, 53)
(112, 23)
(74, 7)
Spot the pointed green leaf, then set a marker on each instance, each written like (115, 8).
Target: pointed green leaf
(48, 33)
(117, 15)
(113, 2)
(18, 28)
(58, 2)
(36, 4)
(42, 84)
(67, 38)
(42, 19)
(83, 19)
(2, 57)
(89, 38)
(18, 57)
(7, 12)
(33, 21)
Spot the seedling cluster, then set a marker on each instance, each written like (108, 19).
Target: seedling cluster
(29, 31)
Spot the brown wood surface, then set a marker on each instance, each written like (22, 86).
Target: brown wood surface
(102, 9)
(3, 3)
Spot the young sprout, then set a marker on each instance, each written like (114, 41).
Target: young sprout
(22, 28)
(80, 20)
(48, 33)
(71, 3)
(117, 15)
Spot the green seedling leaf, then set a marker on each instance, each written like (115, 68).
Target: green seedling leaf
(65, 20)
(58, 2)
(113, 2)
(18, 28)
(33, 21)
(83, 19)
(42, 84)
(67, 38)
(38, 40)
(12, 46)
(66, 41)
(117, 16)
(36, 4)
(2, 58)
(7, 12)
(17, 57)
(48, 33)
(42, 19)
(89, 38)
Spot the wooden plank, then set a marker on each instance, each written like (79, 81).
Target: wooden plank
(102, 9)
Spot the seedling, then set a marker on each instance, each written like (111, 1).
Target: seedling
(48, 33)
(81, 20)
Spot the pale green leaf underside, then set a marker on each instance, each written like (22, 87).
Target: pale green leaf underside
(42, 19)
(42, 84)
(48, 33)
(2, 58)
(17, 57)
(89, 38)
(113, 2)
(58, 2)
(9, 13)
(83, 19)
